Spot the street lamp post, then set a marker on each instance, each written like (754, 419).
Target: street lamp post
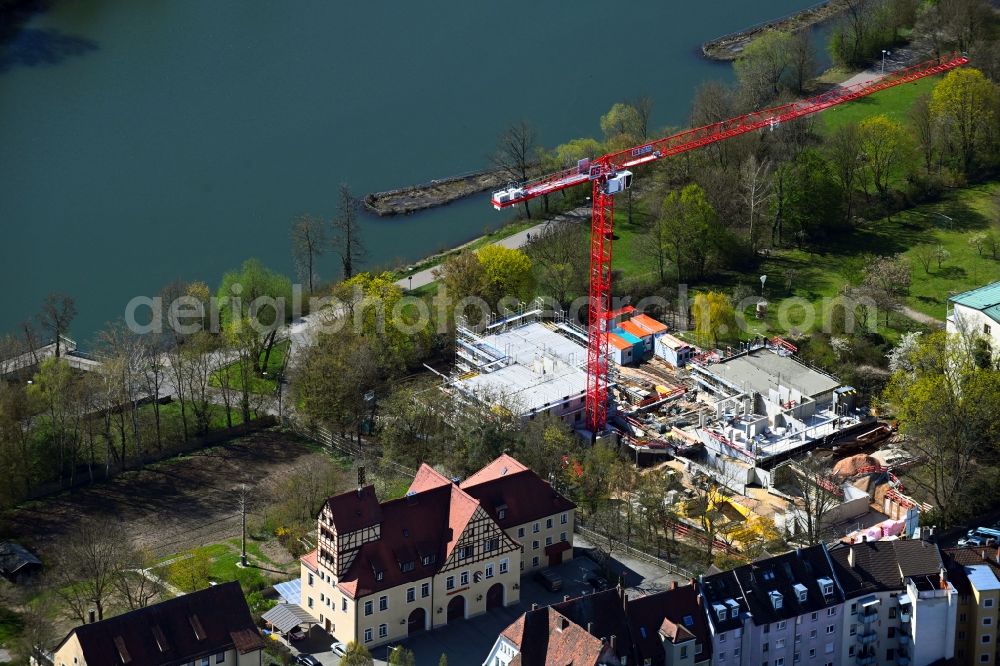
(884, 54)
(411, 282)
(763, 279)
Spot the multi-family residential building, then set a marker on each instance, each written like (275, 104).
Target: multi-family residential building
(976, 313)
(383, 571)
(208, 627)
(662, 629)
(901, 608)
(528, 509)
(975, 573)
(778, 611)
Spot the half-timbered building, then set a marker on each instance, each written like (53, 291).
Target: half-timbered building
(385, 570)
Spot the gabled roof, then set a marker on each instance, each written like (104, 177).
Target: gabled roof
(175, 631)
(958, 561)
(649, 324)
(676, 614)
(634, 329)
(874, 566)
(523, 495)
(618, 342)
(355, 510)
(427, 478)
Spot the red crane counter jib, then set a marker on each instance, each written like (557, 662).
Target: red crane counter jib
(609, 176)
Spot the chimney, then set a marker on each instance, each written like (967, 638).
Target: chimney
(614, 643)
(673, 585)
(91, 616)
(565, 597)
(534, 606)
(944, 578)
(562, 623)
(590, 628)
(850, 556)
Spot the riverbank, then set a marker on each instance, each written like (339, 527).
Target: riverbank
(729, 47)
(430, 195)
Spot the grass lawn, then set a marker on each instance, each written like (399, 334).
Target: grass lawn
(895, 103)
(11, 625)
(264, 385)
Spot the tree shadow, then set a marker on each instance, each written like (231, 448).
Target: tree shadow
(34, 47)
(951, 272)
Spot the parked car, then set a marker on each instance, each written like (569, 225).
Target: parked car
(339, 649)
(307, 660)
(596, 582)
(296, 635)
(550, 579)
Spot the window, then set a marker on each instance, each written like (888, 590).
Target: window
(812, 634)
(383, 630)
(548, 523)
(961, 617)
(425, 590)
(796, 658)
(854, 609)
(987, 603)
(812, 652)
(205, 661)
(984, 658)
(721, 613)
(534, 561)
(520, 532)
(548, 541)
(782, 625)
(562, 519)
(985, 638)
(489, 570)
(987, 621)
(407, 566)
(504, 565)
(722, 637)
(892, 613)
(767, 628)
(322, 597)
(501, 514)
(369, 607)
(890, 654)
(562, 536)
(780, 661)
(379, 575)
(736, 652)
(986, 329)
(368, 635)
(779, 644)
(383, 603)
(310, 580)
(465, 577)
(814, 617)
(830, 612)
(534, 545)
(411, 595)
(464, 552)
(684, 651)
(491, 545)
(343, 604)
(828, 648)
(850, 651)
(534, 528)
(449, 583)
(827, 589)
(829, 628)
(309, 602)
(220, 658)
(854, 630)
(722, 656)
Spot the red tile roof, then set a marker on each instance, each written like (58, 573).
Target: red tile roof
(309, 559)
(427, 478)
(648, 323)
(355, 510)
(500, 467)
(524, 496)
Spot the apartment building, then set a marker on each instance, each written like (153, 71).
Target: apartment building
(779, 611)
(210, 626)
(609, 627)
(901, 608)
(528, 509)
(383, 571)
(975, 573)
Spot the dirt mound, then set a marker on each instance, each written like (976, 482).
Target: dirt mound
(848, 467)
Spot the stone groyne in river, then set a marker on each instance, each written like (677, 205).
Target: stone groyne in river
(435, 193)
(729, 47)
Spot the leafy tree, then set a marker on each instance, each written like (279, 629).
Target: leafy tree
(190, 572)
(443, 661)
(925, 131)
(413, 428)
(507, 273)
(623, 127)
(844, 152)
(356, 655)
(714, 317)
(347, 233)
(802, 60)
(946, 406)
(688, 219)
(257, 299)
(559, 256)
(808, 201)
(966, 104)
(885, 146)
(309, 242)
(886, 282)
(463, 278)
(763, 65)
(402, 657)
(378, 312)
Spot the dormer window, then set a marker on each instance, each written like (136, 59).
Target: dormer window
(501, 511)
(406, 566)
(734, 608)
(720, 612)
(826, 585)
(776, 599)
(379, 575)
(801, 592)
(427, 560)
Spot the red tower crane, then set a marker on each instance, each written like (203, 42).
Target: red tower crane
(609, 175)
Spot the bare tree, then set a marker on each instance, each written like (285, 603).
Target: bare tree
(802, 59)
(844, 151)
(135, 588)
(925, 255)
(887, 282)
(87, 564)
(58, 311)
(643, 105)
(757, 192)
(347, 232)
(560, 256)
(309, 242)
(516, 154)
(815, 494)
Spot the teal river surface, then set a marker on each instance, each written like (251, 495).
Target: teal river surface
(142, 142)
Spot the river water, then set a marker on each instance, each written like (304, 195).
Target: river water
(142, 142)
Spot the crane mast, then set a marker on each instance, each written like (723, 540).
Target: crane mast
(609, 175)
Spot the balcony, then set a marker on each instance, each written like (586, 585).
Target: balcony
(864, 660)
(904, 616)
(904, 639)
(868, 616)
(867, 638)
(902, 660)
